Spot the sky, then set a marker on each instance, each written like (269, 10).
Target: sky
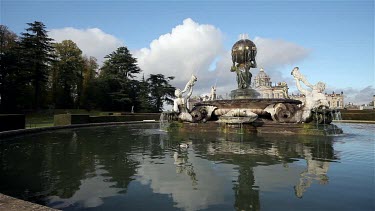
(330, 41)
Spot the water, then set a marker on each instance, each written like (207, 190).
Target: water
(163, 122)
(337, 116)
(138, 167)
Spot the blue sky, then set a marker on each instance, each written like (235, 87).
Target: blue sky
(338, 35)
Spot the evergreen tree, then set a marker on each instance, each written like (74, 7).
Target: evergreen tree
(36, 51)
(121, 63)
(160, 91)
(115, 78)
(143, 96)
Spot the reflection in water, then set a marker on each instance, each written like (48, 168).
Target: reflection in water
(190, 181)
(183, 166)
(90, 193)
(316, 170)
(119, 167)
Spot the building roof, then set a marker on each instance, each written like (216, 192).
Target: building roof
(262, 74)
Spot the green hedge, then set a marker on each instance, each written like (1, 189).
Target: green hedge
(12, 122)
(124, 118)
(368, 115)
(71, 119)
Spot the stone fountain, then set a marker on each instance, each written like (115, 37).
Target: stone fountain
(247, 112)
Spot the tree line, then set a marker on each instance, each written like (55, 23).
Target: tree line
(37, 73)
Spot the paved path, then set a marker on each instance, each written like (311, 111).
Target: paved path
(8, 203)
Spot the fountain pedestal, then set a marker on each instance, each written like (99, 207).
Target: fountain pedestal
(244, 94)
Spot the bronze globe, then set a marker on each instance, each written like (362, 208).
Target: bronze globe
(244, 52)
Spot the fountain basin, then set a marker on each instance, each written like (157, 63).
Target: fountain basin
(272, 115)
(280, 110)
(255, 103)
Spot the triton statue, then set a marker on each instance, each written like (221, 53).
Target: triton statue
(314, 99)
(213, 93)
(180, 104)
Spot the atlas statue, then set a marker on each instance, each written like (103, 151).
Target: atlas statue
(243, 58)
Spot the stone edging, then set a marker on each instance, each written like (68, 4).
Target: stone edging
(12, 204)
(354, 121)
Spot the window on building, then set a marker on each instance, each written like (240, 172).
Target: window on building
(338, 103)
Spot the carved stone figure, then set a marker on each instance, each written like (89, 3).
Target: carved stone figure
(285, 90)
(237, 115)
(204, 97)
(313, 98)
(213, 93)
(180, 104)
(284, 112)
(202, 113)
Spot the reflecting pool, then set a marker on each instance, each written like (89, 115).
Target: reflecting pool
(138, 167)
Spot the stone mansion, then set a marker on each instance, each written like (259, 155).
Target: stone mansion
(262, 83)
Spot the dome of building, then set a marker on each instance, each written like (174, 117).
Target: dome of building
(262, 79)
(262, 74)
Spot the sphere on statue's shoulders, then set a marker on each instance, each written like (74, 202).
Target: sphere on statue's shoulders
(244, 51)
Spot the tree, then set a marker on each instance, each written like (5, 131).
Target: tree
(160, 91)
(121, 63)
(90, 67)
(115, 78)
(36, 51)
(9, 75)
(67, 74)
(144, 97)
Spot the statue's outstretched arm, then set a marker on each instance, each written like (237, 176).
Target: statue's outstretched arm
(187, 86)
(299, 87)
(189, 93)
(298, 76)
(190, 84)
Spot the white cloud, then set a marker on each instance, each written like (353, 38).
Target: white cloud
(276, 55)
(273, 54)
(356, 96)
(92, 41)
(189, 48)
